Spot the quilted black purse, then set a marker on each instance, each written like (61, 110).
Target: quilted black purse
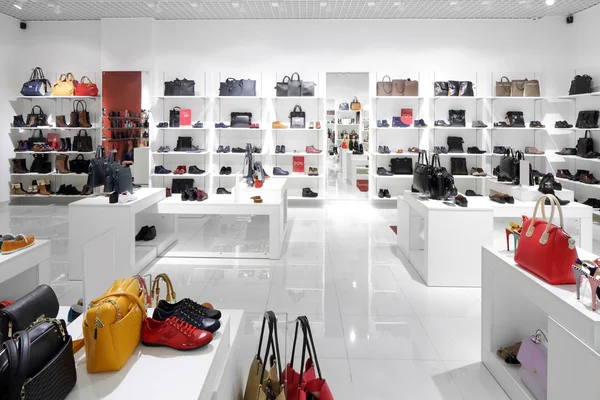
(241, 119)
(180, 87)
(421, 175)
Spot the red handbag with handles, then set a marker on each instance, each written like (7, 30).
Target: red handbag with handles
(86, 88)
(545, 249)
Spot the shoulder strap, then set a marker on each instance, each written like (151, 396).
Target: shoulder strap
(297, 108)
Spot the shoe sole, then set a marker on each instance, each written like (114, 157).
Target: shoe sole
(175, 348)
(20, 248)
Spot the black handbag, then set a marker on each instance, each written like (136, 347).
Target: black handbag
(453, 88)
(282, 87)
(174, 117)
(97, 169)
(441, 185)
(184, 143)
(587, 119)
(231, 87)
(509, 166)
(111, 181)
(499, 149)
(422, 173)
(455, 144)
(180, 87)
(440, 88)
(40, 302)
(79, 165)
(298, 87)
(179, 185)
(401, 166)
(515, 119)
(41, 164)
(585, 144)
(38, 364)
(466, 89)
(458, 166)
(297, 118)
(248, 87)
(241, 119)
(581, 84)
(457, 118)
(82, 143)
(41, 118)
(36, 137)
(123, 179)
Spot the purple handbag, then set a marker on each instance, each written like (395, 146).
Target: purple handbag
(533, 356)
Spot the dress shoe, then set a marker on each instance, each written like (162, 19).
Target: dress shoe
(562, 125)
(194, 170)
(279, 125)
(567, 151)
(238, 150)
(385, 124)
(536, 124)
(419, 123)
(578, 174)
(159, 169)
(380, 194)
(277, 149)
(478, 124)
(223, 171)
(280, 171)
(312, 150)
(220, 148)
(141, 233)
(589, 179)
(198, 125)
(386, 194)
(221, 125)
(475, 150)
(150, 234)
(383, 172)
(441, 123)
(173, 333)
(192, 308)
(532, 150)
(182, 313)
(201, 195)
(223, 191)
(306, 192)
(282, 150)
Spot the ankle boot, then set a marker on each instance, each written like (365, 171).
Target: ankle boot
(83, 120)
(43, 190)
(18, 166)
(60, 121)
(62, 164)
(32, 121)
(73, 120)
(63, 145)
(17, 189)
(69, 146)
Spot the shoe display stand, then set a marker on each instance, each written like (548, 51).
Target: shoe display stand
(441, 240)
(525, 193)
(208, 373)
(515, 303)
(24, 270)
(53, 106)
(351, 163)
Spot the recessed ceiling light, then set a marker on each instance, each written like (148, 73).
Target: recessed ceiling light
(158, 8)
(195, 5)
(323, 4)
(57, 9)
(235, 4)
(397, 4)
(453, 3)
(549, 2)
(370, 3)
(485, 3)
(20, 7)
(275, 4)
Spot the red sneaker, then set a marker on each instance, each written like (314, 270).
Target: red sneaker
(202, 195)
(312, 149)
(174, 333)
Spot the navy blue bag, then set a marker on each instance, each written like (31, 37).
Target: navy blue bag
(37, 85)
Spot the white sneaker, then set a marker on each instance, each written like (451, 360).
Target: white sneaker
(126, 197)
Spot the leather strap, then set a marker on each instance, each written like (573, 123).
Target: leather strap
(297, 74)
(155, 291)
(18, 360)
(144, 288)
(130, 295)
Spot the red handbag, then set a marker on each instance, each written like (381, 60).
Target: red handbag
(545, 249)
(53, 140)
(86, 88)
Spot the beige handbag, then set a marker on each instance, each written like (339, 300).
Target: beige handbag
(384, 88)
(411, 88)
(503, 87)
(517, 88)
(532, 88)
(65, 86)
(398, 86)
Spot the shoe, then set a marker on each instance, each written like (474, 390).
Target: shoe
(18, 121)
(19, 242)
(277, 149)
(592, 202)
(282, 150)
(256, 150)
(223, 171)
(201, 195)
(306, 192)
(126, 197)
(562, 125)
(254, 125)
(221, 125)
(311, 125)
(312, 150)
(162, 125)
(380, 194)
(190, 194)
(220, 148)
(223, 191)
(313, 171)
(461, 201)
(112, 199)
(279, 171)
(386, 150)
(198, 125)
(75, 311)
(191, 307)
(564, 174)
(279, 125)
(159, 169)
(498, 198)
(589, 179)
(532, 150)
(194, 149)
(536, 124)
(471, 192)
(399, 124)
(578, 174)
(238, 150)
(567, 151)
(384, 124)
(17, 189)
(478, 124)
(150, 234)
(173, 333)
(386, 194)
(180, 170)
(419, 123)
(591, 154)
(413, 150)
(442, 123)
(379, 123)
(141, 234)
(383, 172)
(7, 236)
(194, 170)
(318, 125)
(187, 315)
(475, 150)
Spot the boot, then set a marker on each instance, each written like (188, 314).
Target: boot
(68, 147)
(83, 120)
(73, 120)
(32, 121)
(60, 121)
(17, 189)
(63, 145)
(62, 164)
(19, 166)
(43, 190)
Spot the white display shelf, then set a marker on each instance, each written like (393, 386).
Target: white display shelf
(526, 155)
(21, 196)
(55, 152)
(578, 183)
(470, 177)
(296, 198)
(297, 129)
(144, 256)
(183, 128)
(297, 98)
(348, 111)
(180, 175)
(405, 154)
(20, 261)
(348, 124)
(240, 129)
(49, 174)
(460, 154)
(407, 128)
(391, 176)
(245, 98)
(181, 97)
(297, 176)
(262, 153)
(456, 128)
(514, 98)
(296, 154)
(374, 197)
(55, 128)
(60, 97)
(179, 153)
(398, 98)
(460, 98)
(575, 96)
(576, 129)
(517, 129)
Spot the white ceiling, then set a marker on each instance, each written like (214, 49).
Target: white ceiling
(70, 10)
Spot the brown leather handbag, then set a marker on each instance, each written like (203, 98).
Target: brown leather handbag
(503, 87)
(384, 88)
(517, 88)
(532, 88)
(411, 88)
(355, 105)
(398, 86)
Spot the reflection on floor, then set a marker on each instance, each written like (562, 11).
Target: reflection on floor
(380, 333)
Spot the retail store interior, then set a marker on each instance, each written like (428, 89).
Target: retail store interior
(291, 199)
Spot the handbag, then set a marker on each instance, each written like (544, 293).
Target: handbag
(441, 185)
(248, 87)
(515, 119)
(355, 105)
(38, 364)
(581, 84)
(509, 166)
(466, 89)
(499, 149)
(39, 303)
(384, 88)
(411, 88)
(585, 144)
(79, 165)
(88, 88)
(124, 180)
(517, 87)
(184, 143)
(231, 87)
(533, 356)
(458, 166)
(174, 117)
(422, 172)
(97, 169)
(455, 144)
(457, 118)
(398, 86)
(37, 85)
(180, 87)
(440, 88)
(281, 88)
(453, 88)
(241, 119)
(532, 88)
(111, 177)
(546, 250)
(587, 119)
(112, 326)
(298, 87)
(297, 118)
(82, 143)
(36, 137)
(503, 87)
(41, 118)
(401, 166)
(52, 140)
(65, 86)
(344, 107)
(179, 185)
(41, 164)
(155, 291)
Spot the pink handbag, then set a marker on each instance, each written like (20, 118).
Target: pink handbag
(533, 356)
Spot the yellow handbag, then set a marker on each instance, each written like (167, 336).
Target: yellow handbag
(155, 291)
(65, 86)
(113, 325)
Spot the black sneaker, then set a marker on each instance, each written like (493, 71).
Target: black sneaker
(141, 234)
(223, 191)
(383, 172)
(306, 192)
(380, 194)
(195, 170)
(191, 307)
(199, 321)
(159, 169)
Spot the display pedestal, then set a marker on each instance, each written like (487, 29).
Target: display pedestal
(24, 270)
(515, 304)
(165, 373)
(525, 193)
(352, 163)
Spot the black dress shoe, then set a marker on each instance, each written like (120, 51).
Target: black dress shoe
(114, 198)
(277, 149)
(475, 150)
(223, 171)
(386, 194)
(306, 192)
(380, 194)
(223, 191)
(498, 198)
(567, 151)
(471, 192)
(195, 170)
(141, 234)
(238, 150)
(227, 170)
(150, 234)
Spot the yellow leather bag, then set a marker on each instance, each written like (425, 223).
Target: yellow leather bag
(113, 325)
(65, 86)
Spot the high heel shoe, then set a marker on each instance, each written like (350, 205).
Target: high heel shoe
(515, 231)
(589, 270)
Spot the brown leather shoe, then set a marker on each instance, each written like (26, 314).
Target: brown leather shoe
(73, 120)
(61, 121)
(19, 166)
(83, 122)
(564, 173)
(62, 164)
(43, 189)
(589, 179)
(532, 150)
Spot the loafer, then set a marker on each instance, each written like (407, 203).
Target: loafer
(191, 306)
(461, 201)
(221, 125)
(306, 192)
(475, 150)
(279, 125)
(182, 313)
(471, 192)
(498, 198)
(194, 170)
(564, 174)
(567, 151)
(383, 172)
(173, 333)
(280, 171)
(441, 122)
(223, 191)
(19, 242)
(7, 236)
(141, 234)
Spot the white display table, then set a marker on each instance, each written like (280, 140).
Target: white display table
(165, 373)
(12, 265)
(350, 165)
(515, 304)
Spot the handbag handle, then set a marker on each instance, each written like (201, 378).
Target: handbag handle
(272, 343)
(297, 74)
(307, 343)
(70, 77)
(403, 87)
(39, 108)
(83, 78)
(554, 204)
(519, 155)
(19, 363)
(297, 108)
(176, 108)
(84, 131)
(355, 100)
(144, 288)
(503, 79)
(384, 82)
(586, 134)
(436, 159)
(40, 134)
(155, 291)
(77, 158)
(423, 155)
(101, 299)
(81, 103)
(62, 78)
